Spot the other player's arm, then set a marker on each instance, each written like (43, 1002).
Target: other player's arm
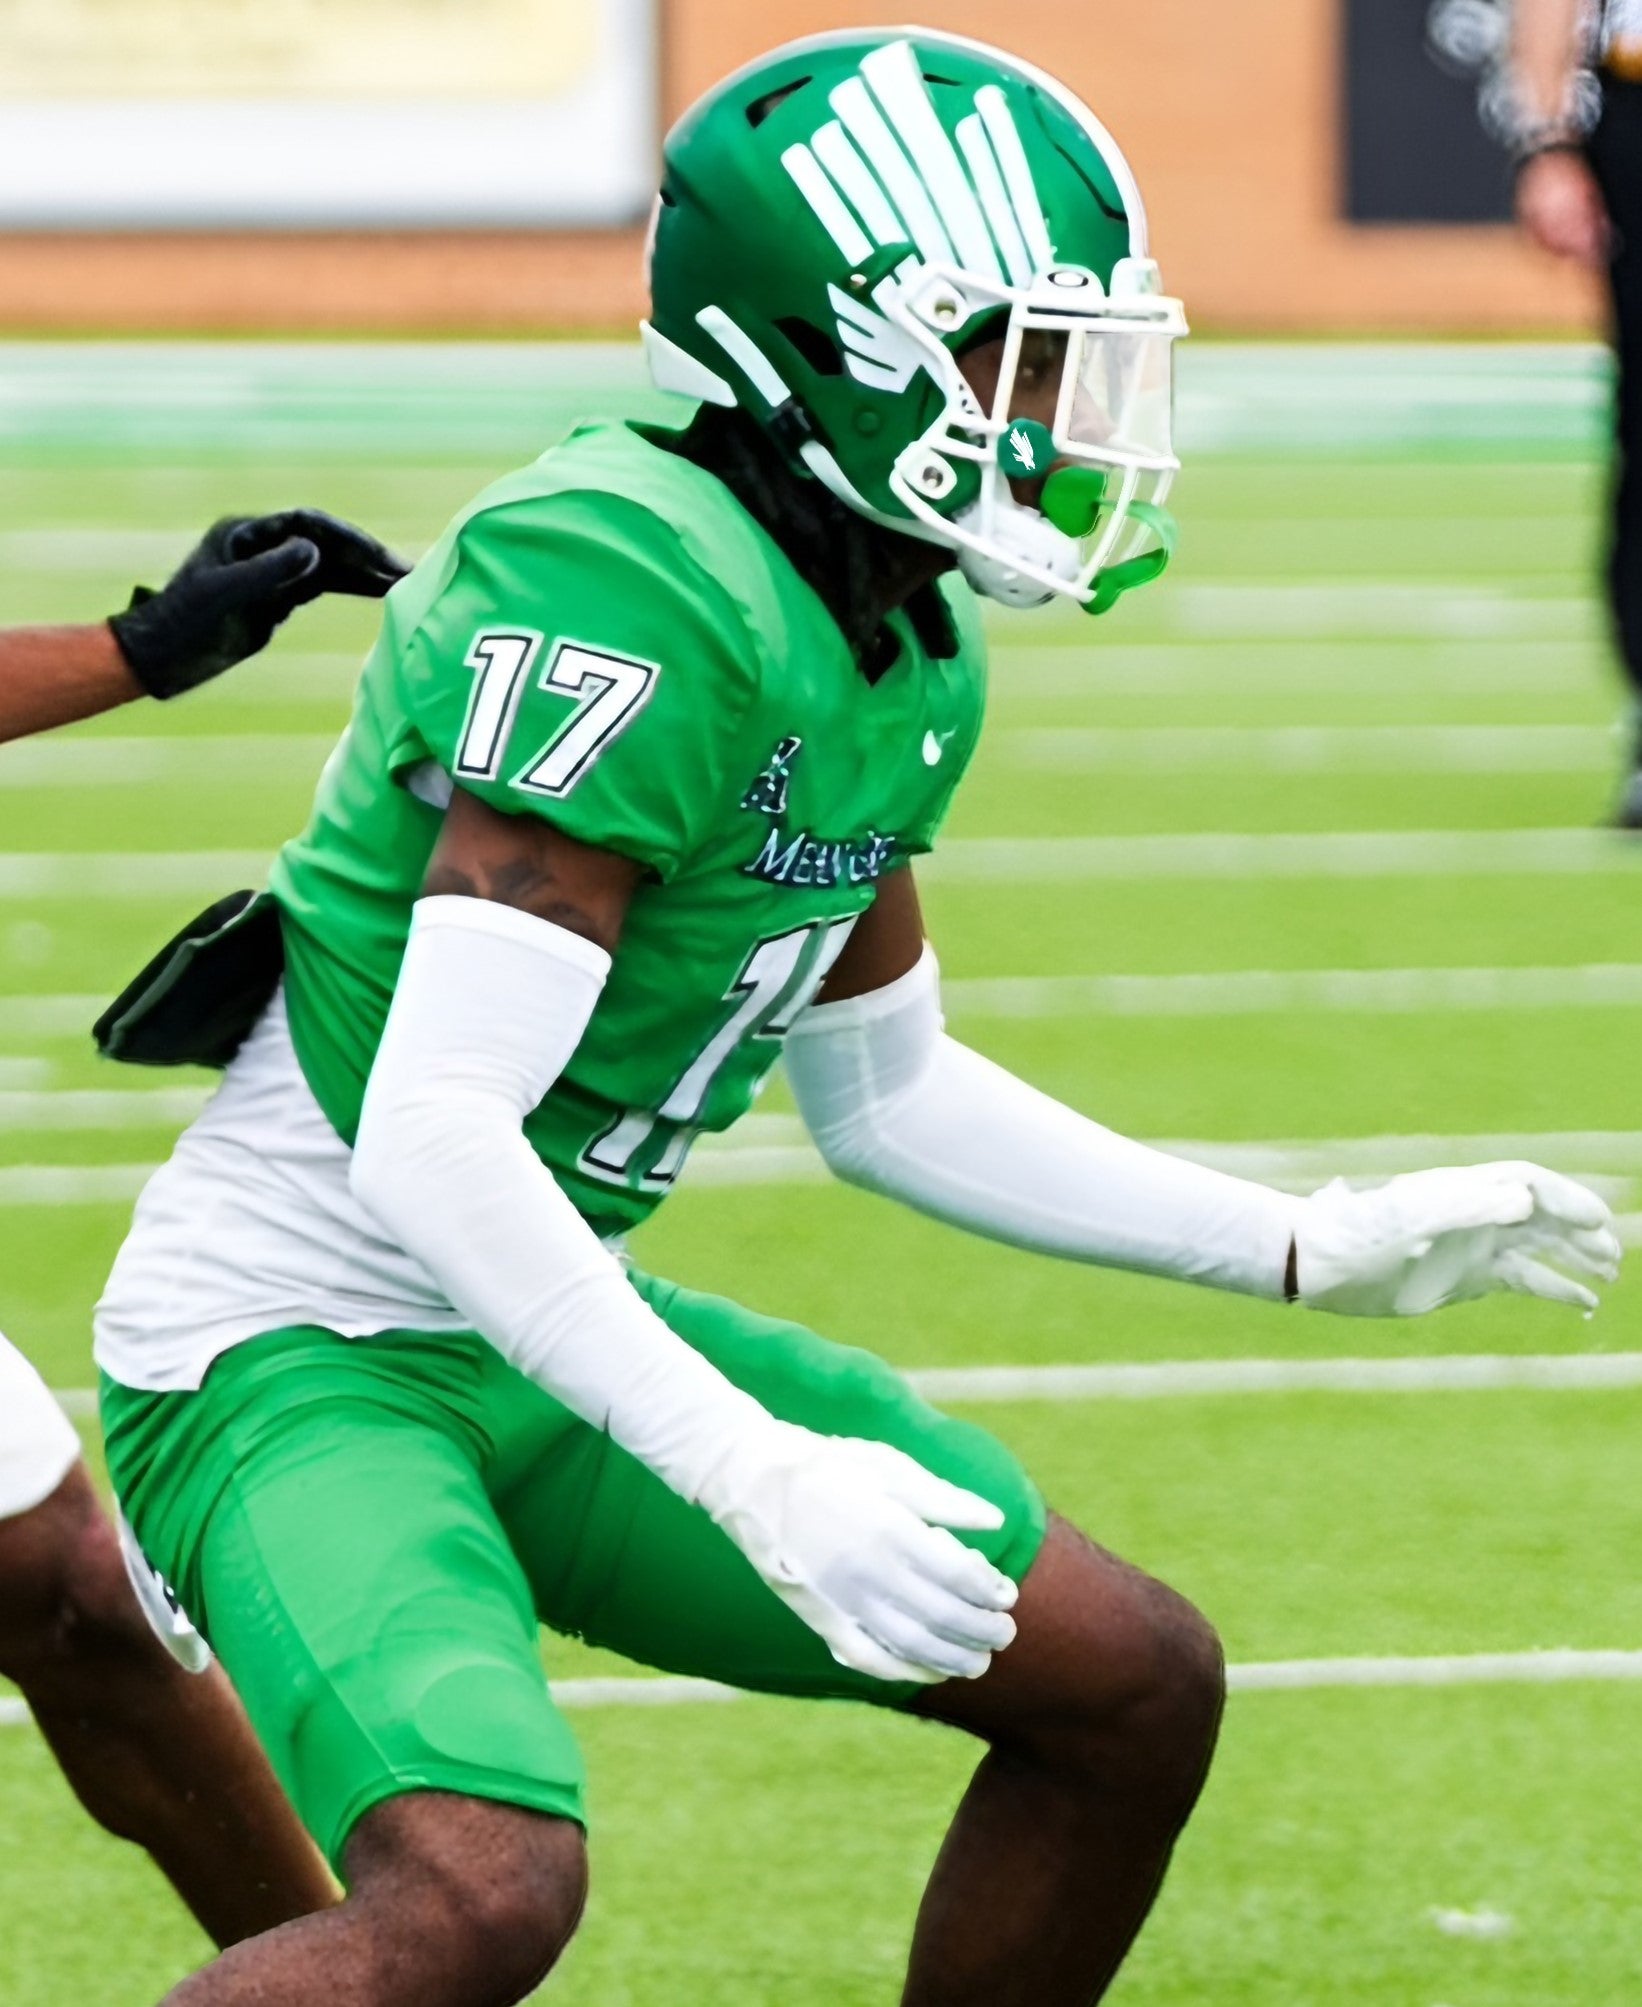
(898, 1107)
(509, 949)
(243, 578)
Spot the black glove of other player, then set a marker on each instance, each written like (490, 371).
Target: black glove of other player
(235, 588)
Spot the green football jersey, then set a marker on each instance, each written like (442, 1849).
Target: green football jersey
(608, 640)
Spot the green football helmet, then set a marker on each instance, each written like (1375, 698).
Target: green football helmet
(843, 219)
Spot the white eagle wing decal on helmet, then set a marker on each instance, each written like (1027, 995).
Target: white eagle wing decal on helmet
(883, 172)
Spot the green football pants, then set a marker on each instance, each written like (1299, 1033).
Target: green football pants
(369, 1531)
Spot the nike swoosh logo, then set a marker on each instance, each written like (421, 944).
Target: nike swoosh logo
(934, 747)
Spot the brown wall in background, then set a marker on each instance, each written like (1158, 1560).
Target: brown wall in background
(1228, 113)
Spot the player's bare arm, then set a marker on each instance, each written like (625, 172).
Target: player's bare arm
(516, 861)
(55, 675)
(245, 577)
(160, 1755)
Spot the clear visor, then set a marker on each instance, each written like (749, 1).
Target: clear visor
(1124, 526)
(1118, 393)
(1107, 394)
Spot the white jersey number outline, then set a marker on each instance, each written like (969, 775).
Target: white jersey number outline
(777, 980)
(612, 690)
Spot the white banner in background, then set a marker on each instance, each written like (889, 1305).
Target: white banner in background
(153, 114)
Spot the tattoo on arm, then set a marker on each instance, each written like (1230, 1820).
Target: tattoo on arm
(516, 881)
(520, 862)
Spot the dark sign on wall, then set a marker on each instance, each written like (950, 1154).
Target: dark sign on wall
(1424, 99)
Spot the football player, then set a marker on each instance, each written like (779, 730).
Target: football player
(157, 1756)
(628, 806)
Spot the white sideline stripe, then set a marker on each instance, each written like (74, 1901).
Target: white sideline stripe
(1540, 1668)
(82, 549)
(1461, 1373)
(1423, 853)
(101, 1108)
(287, 674)
(133, 760)
(136, 761)
(778, 1152)
(1073, 669)
(969, 860)
(1294, 749)
(44, 1015)
(129, 874)
(1197, 1379)
(627, 1692)
(1242, 992)
(75, 549)
(1616, 1151)
(1218, 993)
(1543, 1668)
(1372, 607)
(72, 1184)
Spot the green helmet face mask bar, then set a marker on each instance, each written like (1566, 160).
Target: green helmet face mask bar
(842, 221)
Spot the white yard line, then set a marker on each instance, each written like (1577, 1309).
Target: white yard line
(1610, 1151)
(1462, 1373)
(1082, 669)
(972, 860)
(1615, 1152)
(132, 761)
(1538, 1668)
(1542, 1668)
(1245, 992)
(1353, 609)
(1214, 993)
(1323, 854)
(773, 1149)
(187, 398)
(50, 1016)
(103, 1109)
(129, 874)
(53, 1185)
(297, 675)
(1213, 1379)
(118, 547)
(82, 549)
(141, 760)
(1310, 749)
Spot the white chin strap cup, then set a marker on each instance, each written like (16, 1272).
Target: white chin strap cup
(1026, 536)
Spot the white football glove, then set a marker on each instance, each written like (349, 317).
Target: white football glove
(1435, 1237)
(851, 1535)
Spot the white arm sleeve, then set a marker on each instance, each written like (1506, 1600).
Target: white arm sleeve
(490, 1005)
(897, 1106)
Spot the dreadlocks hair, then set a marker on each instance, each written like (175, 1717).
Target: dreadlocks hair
(838, 554)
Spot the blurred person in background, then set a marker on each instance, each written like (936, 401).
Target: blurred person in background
(1579, 195)
(153, 1740)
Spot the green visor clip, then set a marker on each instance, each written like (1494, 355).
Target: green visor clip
(1111, 585)
(1071, 501)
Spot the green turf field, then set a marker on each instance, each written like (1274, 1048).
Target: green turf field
(1292, 860)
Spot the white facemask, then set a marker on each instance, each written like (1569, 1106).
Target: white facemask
(1020, 533)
